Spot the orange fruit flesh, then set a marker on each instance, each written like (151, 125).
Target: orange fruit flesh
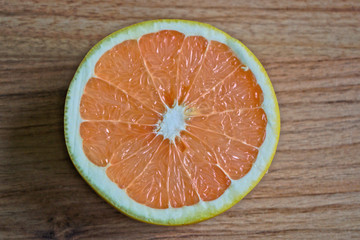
(136, 81)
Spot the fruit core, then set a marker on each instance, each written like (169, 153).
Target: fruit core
(172, 123)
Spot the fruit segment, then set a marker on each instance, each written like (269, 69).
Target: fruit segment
(182, 191)
(160, 53)
(150, 187)
(103, 101)
(103, 139)
(190, 60)
(198, 159)
(124, 168)
(123, 66)
(219, 63)
(239, 90)
(235, 157)
(245, 125)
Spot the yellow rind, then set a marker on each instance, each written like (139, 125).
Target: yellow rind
(204, 216)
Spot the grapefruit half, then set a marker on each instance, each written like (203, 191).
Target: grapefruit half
(171, 121)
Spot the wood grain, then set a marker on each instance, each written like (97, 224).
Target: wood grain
(311, 50)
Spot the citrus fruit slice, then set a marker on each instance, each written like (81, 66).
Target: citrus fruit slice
(171, 121)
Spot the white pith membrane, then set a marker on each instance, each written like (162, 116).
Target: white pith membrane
(172, 123)
(169, 128)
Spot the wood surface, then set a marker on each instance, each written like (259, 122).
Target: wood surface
(311, 50)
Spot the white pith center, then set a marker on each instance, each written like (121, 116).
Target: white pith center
(173, 122)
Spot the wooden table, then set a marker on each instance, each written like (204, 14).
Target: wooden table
(311, 50)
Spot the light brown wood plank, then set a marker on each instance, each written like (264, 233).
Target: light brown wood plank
(311, 50)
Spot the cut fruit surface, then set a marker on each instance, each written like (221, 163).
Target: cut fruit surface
(171, 121)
